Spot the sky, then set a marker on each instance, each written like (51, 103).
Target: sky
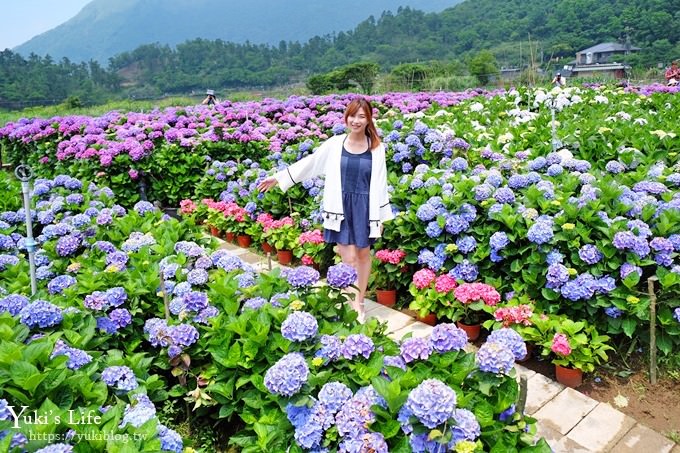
(20, 20)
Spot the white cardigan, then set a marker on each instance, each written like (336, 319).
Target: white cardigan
(326, 161)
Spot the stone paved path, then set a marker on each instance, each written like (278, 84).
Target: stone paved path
(571, 422)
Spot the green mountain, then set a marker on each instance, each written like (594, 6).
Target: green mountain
(105, 28)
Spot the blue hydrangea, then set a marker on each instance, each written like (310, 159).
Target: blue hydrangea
(466, 427)
(302, 276)
(369, 442)
(614, 167)
(431, 259)
(287, 376)
(432, 402)
(121, 317)
(415, 348)
(76, 358)
(246, 280)
(13, 303)
(556, 276)
(331, 348)
(511, 339)
(41, 314)
(504, 195)
(67, 245)
(581, 288)
(495, 358)
(540, 232)
(613, 312)
(628, 268)
(661, 244)
(333, 395)
(8, 260)
(357, 345)
(483, 192)
(299, 326)
(466, 244)
(465, 270)
(554, 257)
(459, 164)
(395, 361)
(426, 212)
(498, 241)
(143, 207)
(56, 448)
(433, 229)
(456, 224)
(170, 439)
(141, 411)
(676, 314)
(254, 303)
(341, 276)
(120, 378)
(447, 337)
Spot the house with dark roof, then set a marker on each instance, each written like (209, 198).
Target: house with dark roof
(601, 60)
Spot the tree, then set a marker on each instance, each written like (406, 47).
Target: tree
(363, 74)
(483, 66)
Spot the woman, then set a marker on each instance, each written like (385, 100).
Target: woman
(355, 202)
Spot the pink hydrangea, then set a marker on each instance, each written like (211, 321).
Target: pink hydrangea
(390, 256)
(311, 237)
(265, 219)
(186, 206)
(471, 292)
(424, 278)
(560, 345)
(520, 314)
(445, 283)
(307, 260)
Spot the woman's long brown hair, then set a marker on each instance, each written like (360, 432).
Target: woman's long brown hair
(361, 103)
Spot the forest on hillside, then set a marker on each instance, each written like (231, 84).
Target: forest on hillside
(557, 29)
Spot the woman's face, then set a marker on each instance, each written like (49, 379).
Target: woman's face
(357, 121)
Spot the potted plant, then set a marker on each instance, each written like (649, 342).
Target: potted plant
(577, 348)
(390, 267)
(432, 294)
(213, 221)
(310, 248)
(256, 230)
(283, 235)
(468, 309)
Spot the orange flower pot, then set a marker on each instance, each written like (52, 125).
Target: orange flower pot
(284, 256)
(472, 330)
(214, 231)
(243, 240)
(386, 297)
(571, 377)
(230, 237)
(429, 319)
(267, 248)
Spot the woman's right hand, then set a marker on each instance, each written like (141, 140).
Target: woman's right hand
(267, 184)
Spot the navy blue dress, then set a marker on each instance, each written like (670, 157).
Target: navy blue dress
(355, 173)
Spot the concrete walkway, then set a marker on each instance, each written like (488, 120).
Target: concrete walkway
(570, 421)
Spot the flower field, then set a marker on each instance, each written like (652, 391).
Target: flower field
(546, 229)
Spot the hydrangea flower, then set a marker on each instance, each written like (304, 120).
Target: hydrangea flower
(341, 276)
(287, 376)
(357, 345)
(331, 348)
(560, 345)
(76, 358)
(334, 395)
(41, 314)
(415, 348)
(495, 358)
(170, 439)
(590, 254)
(120, 377)
(432, 402)
(141, 411)
(58, 284)
(511, 339)
(302, 276)
(299, 326)
(143, 207)
(13, 303)
(448, 337)
(466, 427)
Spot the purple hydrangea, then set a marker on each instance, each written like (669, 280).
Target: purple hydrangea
(120, 377)
(590, 254)
(334, 395)
(299, 326)
(368, 442)
(613, 312)
(67, 245)
(341, 276)
(504, 195)
(511, 339)
(183, 335)
(456, 224)
(287, 376)
(105, 324)
(121, 317)
(498, 241)
(96, 301)
(395, 361)
(357, 345)
(13, 304)
(676, 314)
(466, 244)
(143, 207)
(157, 331)
(195, 301)
(432, 402)
(448, 337)
(415, 348)
(41, 314)
(197, 277)
(465, 270)
(495, 358)
(56, 448)
(628, 268)
(303, 277)
(581, 288)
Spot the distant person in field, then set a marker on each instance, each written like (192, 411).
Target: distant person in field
(210, 98)
(673, 74)
(355, 200)
(558, 81)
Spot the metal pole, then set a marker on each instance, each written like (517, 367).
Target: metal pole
(652, 329)
(553, 126)
(24, 174)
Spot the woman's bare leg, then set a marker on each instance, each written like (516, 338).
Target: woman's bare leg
(363, 267)
(348, 255)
